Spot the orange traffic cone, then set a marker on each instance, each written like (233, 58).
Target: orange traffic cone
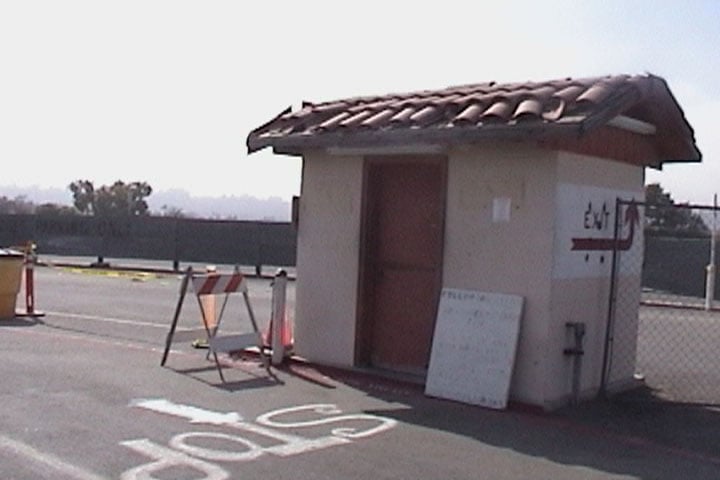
(286, 334)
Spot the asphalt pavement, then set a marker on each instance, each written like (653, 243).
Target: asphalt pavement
(84, 397)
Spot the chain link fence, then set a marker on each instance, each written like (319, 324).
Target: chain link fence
(668, 331)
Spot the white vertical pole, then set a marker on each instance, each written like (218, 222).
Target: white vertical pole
(279, 295)
(710, 269)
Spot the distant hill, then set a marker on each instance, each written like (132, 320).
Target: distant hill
(37, 194)
(243, 207)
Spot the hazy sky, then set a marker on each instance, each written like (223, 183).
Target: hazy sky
(167, 91)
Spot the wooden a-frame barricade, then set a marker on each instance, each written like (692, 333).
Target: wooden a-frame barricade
(216, 284)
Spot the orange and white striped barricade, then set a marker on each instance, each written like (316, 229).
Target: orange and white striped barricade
(216, 284)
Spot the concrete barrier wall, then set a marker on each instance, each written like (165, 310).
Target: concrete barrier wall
(674, 265)
(157, 238)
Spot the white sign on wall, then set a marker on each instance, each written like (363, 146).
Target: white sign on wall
(501, 209)
(474, 345)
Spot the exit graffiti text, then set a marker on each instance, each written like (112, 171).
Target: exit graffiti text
(596, 218)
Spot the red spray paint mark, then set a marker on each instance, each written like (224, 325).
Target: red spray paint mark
(632, 217)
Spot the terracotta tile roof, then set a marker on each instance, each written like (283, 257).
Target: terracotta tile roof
(472, 113)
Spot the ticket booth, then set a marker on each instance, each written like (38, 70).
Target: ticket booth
(503, 188)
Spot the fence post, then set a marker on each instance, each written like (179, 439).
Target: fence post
(176, 245)
(258, 250)
(30, 278)
(710, 269)
(612, 299)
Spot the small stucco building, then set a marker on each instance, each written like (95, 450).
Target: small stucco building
(489, 187)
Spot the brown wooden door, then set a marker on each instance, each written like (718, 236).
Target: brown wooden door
(402, 261)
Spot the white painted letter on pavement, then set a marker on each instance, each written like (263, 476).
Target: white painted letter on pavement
(167, 458)
(184, 450)
(267, 419)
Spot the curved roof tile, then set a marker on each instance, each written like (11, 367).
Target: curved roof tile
(575, 106)
(379, 118)
(403, 115)
(529, 108)
(470, 114)
(498, 111)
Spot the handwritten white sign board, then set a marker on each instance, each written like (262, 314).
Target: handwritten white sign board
(473, 350)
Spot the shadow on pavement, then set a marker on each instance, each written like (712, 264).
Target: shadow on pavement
(633, 434)
(249, 382)
(21, 322)
(308, 374)
(642, 413)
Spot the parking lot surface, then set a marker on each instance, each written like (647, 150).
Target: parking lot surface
(84, 397)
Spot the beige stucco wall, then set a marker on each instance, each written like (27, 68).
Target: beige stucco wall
(581, 280)
(327, 258)
(530, 255)
(526, 254)
(512, 257)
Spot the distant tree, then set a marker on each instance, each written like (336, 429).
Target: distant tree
(83, 193)
(118, 199)
(16, 206)
(664, 216)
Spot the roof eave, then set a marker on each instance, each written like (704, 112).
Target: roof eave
(295, 144)
(693, 157)
(252, 142)
(298, 144)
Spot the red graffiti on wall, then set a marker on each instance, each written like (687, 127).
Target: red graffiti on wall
(632, 217)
